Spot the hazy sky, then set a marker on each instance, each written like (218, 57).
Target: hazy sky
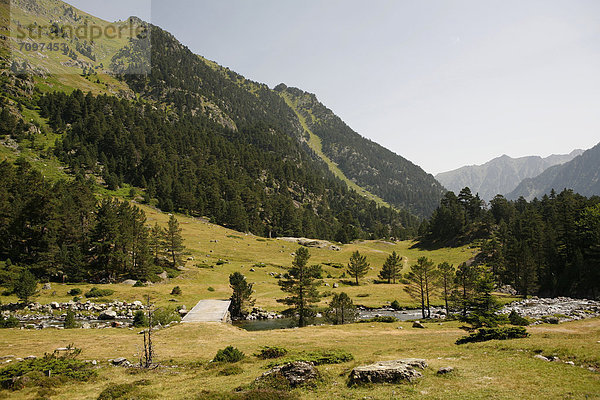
(443, 83)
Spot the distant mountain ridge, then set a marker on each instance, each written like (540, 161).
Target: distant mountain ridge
(502, 174)
(582, 175)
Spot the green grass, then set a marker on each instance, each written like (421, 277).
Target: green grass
(495, 369)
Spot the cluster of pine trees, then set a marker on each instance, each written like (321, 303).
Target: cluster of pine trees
(549, 246)
(62, 232)
(249, 180)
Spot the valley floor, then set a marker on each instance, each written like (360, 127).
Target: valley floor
(491, 370)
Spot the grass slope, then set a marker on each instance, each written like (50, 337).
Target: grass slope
(314, 142)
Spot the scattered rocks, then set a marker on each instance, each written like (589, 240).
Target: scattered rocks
(554, 310)
(418, 324)
(260, 314)
(120, 362)
(108, 314)
(46, 286)
(445, 370)
(129, 282)
(297, 373)
(541, 357)
(396, 371)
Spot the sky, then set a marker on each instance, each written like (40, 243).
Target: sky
(443, 83)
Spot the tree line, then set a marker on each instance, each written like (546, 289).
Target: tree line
(62, 232)
(549, 246)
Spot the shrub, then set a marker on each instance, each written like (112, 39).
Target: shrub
(362, 295)
(139, 284)
(9, 322)
(70, 322)
(125, 391)
(176, 291)
(64, 366)
(396, 305)
(516, 319)
(165, 316)
(95, 292)
(317, 357)
(140, 319)
(231, 370)
(76, 299)
(74, 292)
(381, 318)
(229, 354)
(221, 262)
(269, 352)
(211, 289)
(499, 333)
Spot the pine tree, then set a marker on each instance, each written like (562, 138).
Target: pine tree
(445, 281)
(174, 241)
(391, 268)
(241, 299)
(301, 283)
(358, 266)
(421, 278)
(466, 280)
(25, 286)
(157, 235)
(341, 310)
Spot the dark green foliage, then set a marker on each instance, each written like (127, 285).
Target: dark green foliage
(301, 283)
(516, 319)
(70, 322)
(392, 268)
(65, 366)
(173, 242)
(176, 291)
(381, 318)
(548, 247)
(139, 284)
(140, 319)
(318, 357)
(341, 310)
(241, 298)
(126, 391)
(9, 322)
(165, 315)
(74, 292)
(269, 352)
(25, 286)
(484, 306)
(229, 354)
(358, 266)
(421, 280)
(231, 370)
(497, 333)
(396, 305)
(96, 292)
(210, 289)
(257, 393)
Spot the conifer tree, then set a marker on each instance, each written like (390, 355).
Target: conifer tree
(421, 278)
(173, 241)
(241, 299)
(445, 281)
(391, 268)
(358, 266)
(341, 310)
(25, 286)
(301, 283)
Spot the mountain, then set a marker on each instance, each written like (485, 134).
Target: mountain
(199, 138)
(366, 163)
(582, 175)
(500, 175)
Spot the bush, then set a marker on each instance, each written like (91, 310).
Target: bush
(382, 318)
(516, 319)
(176, 291)
(125, 391)
(95, 292)
(211, 289)
(499, 333)
(221, 262)
(231, 370)
(74, 292)
(9, 322)
(165, 316)
(140, 319)
(396, 305)
(70, 322)
(65, 366)
(317, 357)
(139, 284)
(229, 354)
(269, 352)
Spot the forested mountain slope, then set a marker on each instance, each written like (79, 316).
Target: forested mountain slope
(582, 175)
(500, 175)
(371, 166)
